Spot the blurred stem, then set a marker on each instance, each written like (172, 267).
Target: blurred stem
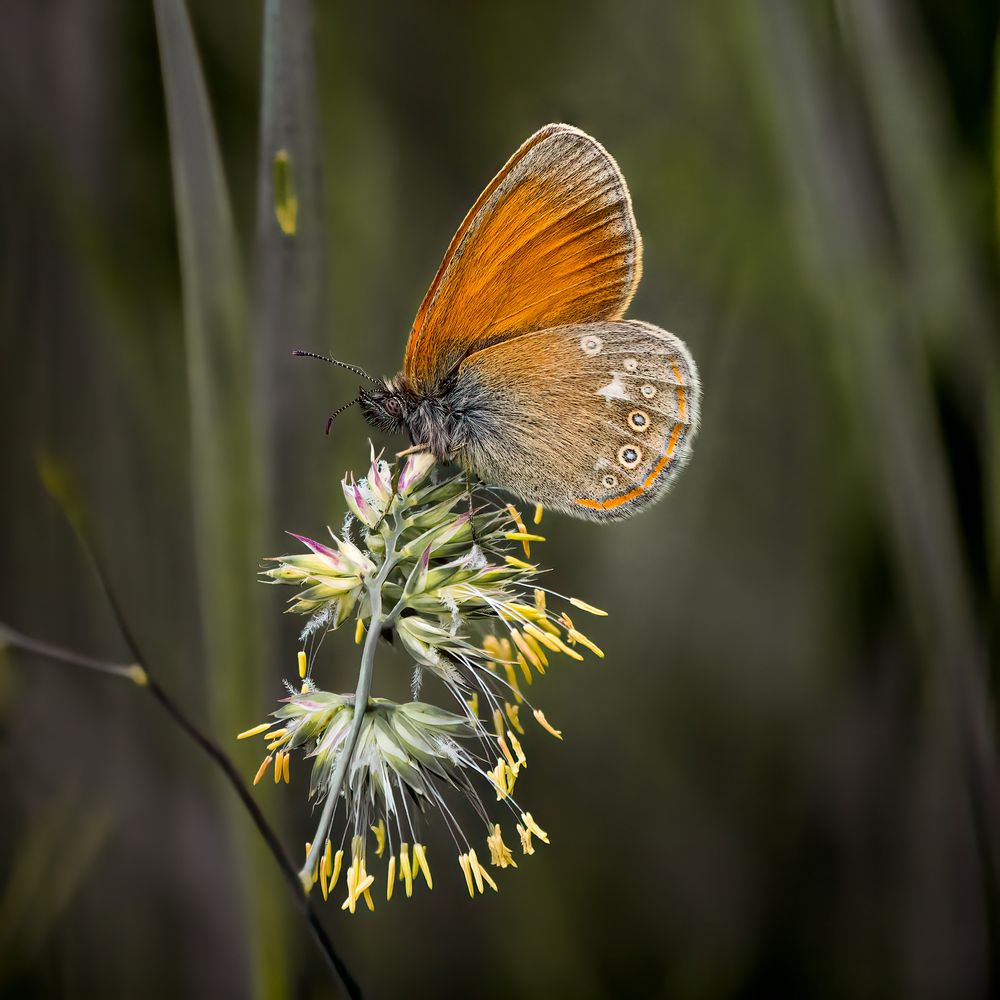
(9, 637)
(227, 461)
(376, 623)
(139, 675)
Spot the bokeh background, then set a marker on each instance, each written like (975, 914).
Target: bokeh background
(783, 779)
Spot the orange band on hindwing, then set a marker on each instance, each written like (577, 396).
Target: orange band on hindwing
(671, 446)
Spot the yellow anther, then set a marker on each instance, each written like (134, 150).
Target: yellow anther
(545, 638)
(263, 727)
(513, 713)
(338, 861)
(420, 858)
(523, 536)
(576, 636)
(546, 725)
(463, 860)
(511, 763)
(520, 611)
(477, 869)
(538, 513)
(519, 563)
(303, 663)
(589, 608)
(359, 632)
(369, 902)
(499, 778)
(518, 750)
(491, 646)
(534, 828)
(505, 651)
(512, 681)
(480, 874)
(528, 652)
(265, 764)
(498, 726)
(500, 854)
(525, 669)
(322, 877)
(525, 835)
(391, 881)
(540, 599)
(379, 831)
(539, 652)
(286, 767)
(405, 871)
(352, 881)
(278, 764)
(515, 515)
(473, 704)
(563, 648)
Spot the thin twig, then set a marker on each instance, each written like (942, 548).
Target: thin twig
(138, 673)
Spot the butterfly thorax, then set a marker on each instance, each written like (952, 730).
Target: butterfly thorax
(429, 415)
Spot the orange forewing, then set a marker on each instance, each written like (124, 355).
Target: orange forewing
(552, 240)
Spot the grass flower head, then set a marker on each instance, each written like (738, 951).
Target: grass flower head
(454, 588)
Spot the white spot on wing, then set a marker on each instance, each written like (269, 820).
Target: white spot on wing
(615, 389)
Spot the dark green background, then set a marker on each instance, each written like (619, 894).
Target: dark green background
(783, 779)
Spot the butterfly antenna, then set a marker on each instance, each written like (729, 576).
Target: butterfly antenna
(339, 364)
(336, 413)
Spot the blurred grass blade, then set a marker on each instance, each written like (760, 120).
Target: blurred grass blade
(846, 230)
(226, 470)
(290, 266)
(993, 437)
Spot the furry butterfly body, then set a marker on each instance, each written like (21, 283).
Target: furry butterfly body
(519, 366)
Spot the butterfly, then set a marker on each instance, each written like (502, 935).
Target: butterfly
(519, 366)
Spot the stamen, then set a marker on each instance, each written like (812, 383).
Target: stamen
(583, 606)
(463, 860)
(379, 831)
(420, 858)
(266, 763)
(477, 871)
(512, 681)
(263, 727)
(405, 871)
(529, 653)
(519, 564)
(534, 828)
(512, 714)
(577, 636)
(546, 725)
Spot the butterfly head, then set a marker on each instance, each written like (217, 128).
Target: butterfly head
(387, 408)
